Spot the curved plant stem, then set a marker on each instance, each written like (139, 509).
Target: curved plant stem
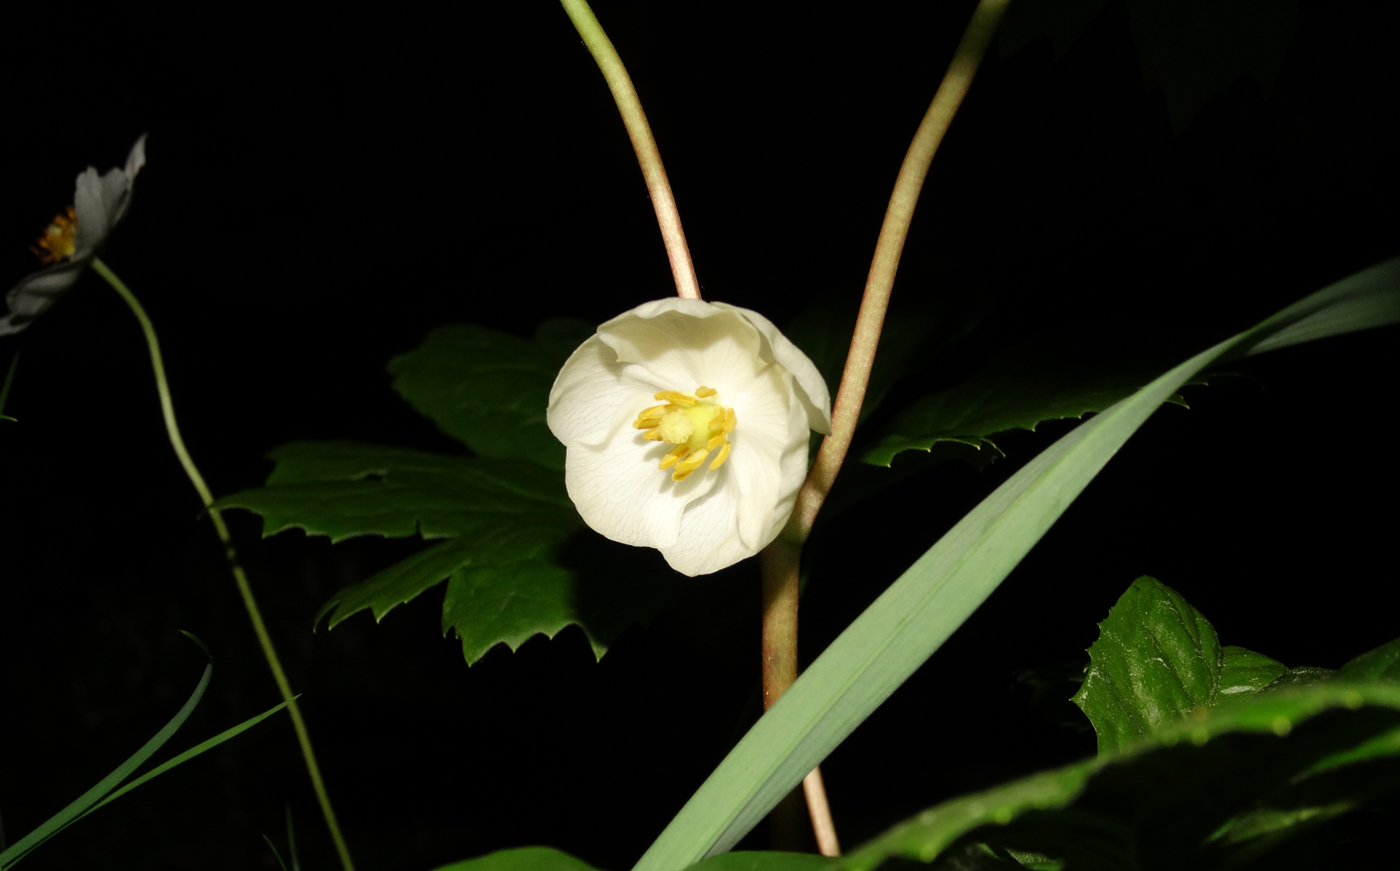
(172, 429)
(782, 559)
(630, 107)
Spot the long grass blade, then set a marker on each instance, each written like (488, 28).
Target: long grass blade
(913, 618)
(85, 801)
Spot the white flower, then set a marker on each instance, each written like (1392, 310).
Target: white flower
(73, 239)
(686, 424)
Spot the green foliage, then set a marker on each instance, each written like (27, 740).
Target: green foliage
(1015, 392)
(921, 609)
(489, 389)
(1191, 49)
(1199, 766)
(496, 522)
(105, 791)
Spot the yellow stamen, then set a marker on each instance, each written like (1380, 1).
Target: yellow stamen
(688, 465)
(717, 423)
(715, 442)
(702, 392)
(58, 238)
(675, 397)
(731, 420)
(645, 424)
(674, 456)
(657, 411)
(719, 460)
(653, 435)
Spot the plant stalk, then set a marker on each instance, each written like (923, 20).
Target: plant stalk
(629, 105)
(172, 429)
(781, 560)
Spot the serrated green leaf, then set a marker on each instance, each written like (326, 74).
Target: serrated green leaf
(1195, 49)
(521, 859)
(344, 489)
(1156, 661)
(488, 389)
(1061, 21)
(1020, 391)
(924, 606)
(505, 523)
(1186, 799)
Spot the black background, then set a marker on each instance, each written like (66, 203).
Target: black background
(323, 189)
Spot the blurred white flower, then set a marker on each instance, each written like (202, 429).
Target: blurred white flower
(73, 239)
(686, 424)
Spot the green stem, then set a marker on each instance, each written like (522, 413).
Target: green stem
(172, 429)
(629, 105)
(781, 560)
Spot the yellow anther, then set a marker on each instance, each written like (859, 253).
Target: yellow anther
(702, 392)
(674, 456)
(716, 442)
(717, 423)
(719, 460)
(657, 411)
(689, 464)
(677, 398)
(59, 238)
(639, 423)
(653, 435)
(730, 420)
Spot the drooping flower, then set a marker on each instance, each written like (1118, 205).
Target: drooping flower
(687, 424)
(73, 239)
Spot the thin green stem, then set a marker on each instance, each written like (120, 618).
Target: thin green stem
(629, 105)
(172, 429)
(781, 560)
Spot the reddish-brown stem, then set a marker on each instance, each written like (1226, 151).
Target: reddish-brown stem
(781, 560)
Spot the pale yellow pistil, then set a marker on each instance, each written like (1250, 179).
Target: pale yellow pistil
(58, 240)
(696, 424)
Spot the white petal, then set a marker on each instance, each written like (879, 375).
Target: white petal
(811, 387)
(593, 391)
(37, 291)
(100, 202)
(710, 538)
(621, 493)
(685, 343)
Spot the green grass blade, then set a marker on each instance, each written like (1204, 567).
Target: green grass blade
(188, 755)
(921, 609)
(86, 801)
(5, 395)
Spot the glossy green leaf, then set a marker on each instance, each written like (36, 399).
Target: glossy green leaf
(1383, 663)
(912, 619)
(521, 859)
(488, 389)
(1189, 798)
(1243, 674)
(1156, 661)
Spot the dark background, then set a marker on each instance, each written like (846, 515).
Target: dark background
(324, 189)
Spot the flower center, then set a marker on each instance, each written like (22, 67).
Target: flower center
(696, 424)
(58, 238)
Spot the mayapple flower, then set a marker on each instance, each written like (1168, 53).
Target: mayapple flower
(73, 239)
(686, 424)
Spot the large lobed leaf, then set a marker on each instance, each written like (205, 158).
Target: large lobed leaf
(503, 523)
(922, 608)
(489, 389)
